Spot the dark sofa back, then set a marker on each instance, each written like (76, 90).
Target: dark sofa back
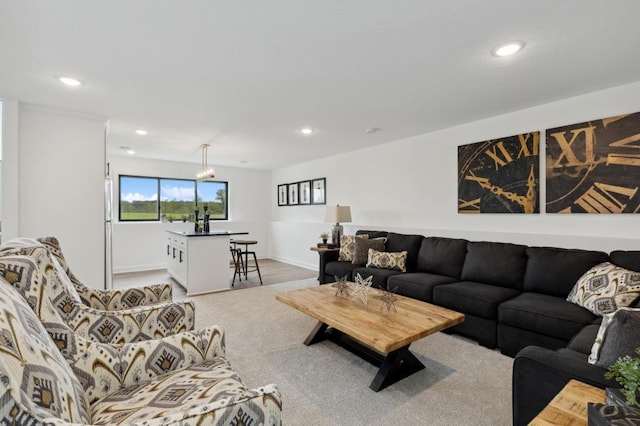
(554, 271)
(372, 234)
(443, 256)
(402, 242)
(629, 259)
(500, 264)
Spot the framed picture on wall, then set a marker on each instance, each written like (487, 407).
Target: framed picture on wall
(293, 194)
(282, 195)
(318, 191)
(304, 192)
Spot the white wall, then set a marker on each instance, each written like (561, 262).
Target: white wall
(410, 186)
(60, 185)
(141, 246)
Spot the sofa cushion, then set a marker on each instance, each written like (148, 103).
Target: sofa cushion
(554, 271)
(418, 285)
(605, 288)
(348, 247)
(443, 256)
(617, 337)
(387, 260)
(380, 276)
(544, 314)
(499, 264)
(629, 259)
(473, 298)
(362, 246)
(583, 341)
(340, 269)
(404, 242)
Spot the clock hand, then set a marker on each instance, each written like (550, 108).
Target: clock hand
(527, 204)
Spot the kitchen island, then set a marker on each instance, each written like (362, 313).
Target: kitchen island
(199, 261)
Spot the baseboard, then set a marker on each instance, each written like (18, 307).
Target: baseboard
(139, 268)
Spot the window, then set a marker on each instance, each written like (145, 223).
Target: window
(138, 198)
(214, 194)
(177, 200)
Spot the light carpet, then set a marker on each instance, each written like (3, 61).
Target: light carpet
(324, 384)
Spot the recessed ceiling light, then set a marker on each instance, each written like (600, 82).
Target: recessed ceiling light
(141, 132)
(128, 150)
(69, 81)
(507, 49)
(306, 131)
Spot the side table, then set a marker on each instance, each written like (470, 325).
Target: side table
(569, 406)
(319, 250)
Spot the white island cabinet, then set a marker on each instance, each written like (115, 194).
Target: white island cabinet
(199, 261)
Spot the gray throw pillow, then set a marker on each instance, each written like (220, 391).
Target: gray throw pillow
(618, 336)
(362, 246)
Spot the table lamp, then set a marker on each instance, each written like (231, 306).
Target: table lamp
(336, 215)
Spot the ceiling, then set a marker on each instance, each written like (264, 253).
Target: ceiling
(246, 76)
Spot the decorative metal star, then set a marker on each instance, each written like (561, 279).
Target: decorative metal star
(361, 288)
(341, 285)
(388, 299)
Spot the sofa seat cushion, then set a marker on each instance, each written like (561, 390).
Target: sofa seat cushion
(380, 276)
(184, 393)
(548, 315)
(473, 298)
(418, 285)
(340, 269)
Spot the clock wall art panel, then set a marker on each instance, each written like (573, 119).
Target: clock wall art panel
(594, 167)
(500, 175)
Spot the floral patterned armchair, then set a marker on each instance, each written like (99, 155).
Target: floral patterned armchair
(105, 326)
(50, 375)
(109, 300)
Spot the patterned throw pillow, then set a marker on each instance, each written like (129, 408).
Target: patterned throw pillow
(617, 337)
(348, 246)
(605, 288)
(387, 260)
(362, 246)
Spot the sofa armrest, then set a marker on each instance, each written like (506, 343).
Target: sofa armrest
(103, 368)
(326, 256)
(540, 373)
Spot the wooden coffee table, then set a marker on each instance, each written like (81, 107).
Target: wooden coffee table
(569, 406)
(379, 336)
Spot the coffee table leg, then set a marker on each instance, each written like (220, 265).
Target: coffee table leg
(317, 334)
(395, 366)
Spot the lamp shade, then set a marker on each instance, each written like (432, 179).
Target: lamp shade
(337, 214)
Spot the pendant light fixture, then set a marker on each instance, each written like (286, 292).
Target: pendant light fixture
(206, 172)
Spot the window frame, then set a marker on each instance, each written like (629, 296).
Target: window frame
(158, 201)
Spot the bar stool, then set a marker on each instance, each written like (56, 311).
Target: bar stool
(246, 253)
(238, 264)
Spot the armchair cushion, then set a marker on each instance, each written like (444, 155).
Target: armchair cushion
(109, 300)
(102, 326)
(35, 380)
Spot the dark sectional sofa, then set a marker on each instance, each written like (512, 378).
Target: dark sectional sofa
(513, 297)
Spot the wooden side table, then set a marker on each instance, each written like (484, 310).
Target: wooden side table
(569, 406)
(319, 250)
